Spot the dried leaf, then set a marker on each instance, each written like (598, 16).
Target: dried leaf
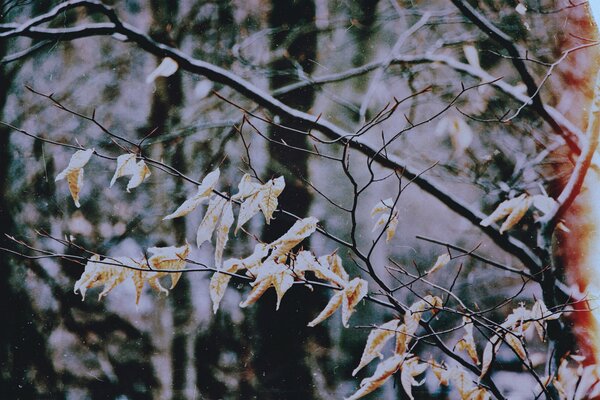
(204, 191)
(383, 372)
(220, 280)
(383, 206)
(270, 273)
(297, 233)
(516, 214)
(515, 342)
(306, 262)
(413, 316)
(246, 188)
(334, 303)
(467, 342)
(258, 198)
(388, 217)
(126, 166)
(139, 173)
(503, 210)
(377, 339)
(74, 173)
(109, 272)
(223, 233)
(272, 190)
(210, 220)
(168, 258)
(410, 369)
(354, 292)
(441, 261)
(489, 352)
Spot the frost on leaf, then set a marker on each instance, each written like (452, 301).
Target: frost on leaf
(166, 68)
(210, 220)
(540, 314)
(383, 372)
(377, 339)
(298, 232)
(127, 166)
(388, 217)
(413, 315)
(327, 268)
(411, 368)
(467, 342)
(513, 210)
(258, 198)
(74, 173)
(220, 280)
(270, 274)
(490, 350)
(223, 233)
(204, 192)
(166, 258)
(109, 273)
(441, 261)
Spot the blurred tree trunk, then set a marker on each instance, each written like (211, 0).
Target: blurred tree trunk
(285, 345)
(166, 104)
(363, 14)
(23, 347)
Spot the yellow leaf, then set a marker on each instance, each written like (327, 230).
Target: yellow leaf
(354, 292)
(410, 369)
(383, 372)
(383, 206)
(297, 233)
(210, 220)
(272, 190)
(489, 351)
(270, 273)
(109, 272)
(305, 261)
(503, 210)
(219, 281)
(74, 173)
(402, 339)
(387, 219)
(334, 303)
(468, 341)
(413, 316)
(204, 191)
(517, 213)
(126, 166)
(461, 381)
(168, 258)
(258, 198)
(517, 345)
(375, 343)
(246, 188)
(223, 233)
(441, 261)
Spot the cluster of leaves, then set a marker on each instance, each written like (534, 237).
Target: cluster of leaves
(278, 265)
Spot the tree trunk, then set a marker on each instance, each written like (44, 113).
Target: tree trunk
(282, 356)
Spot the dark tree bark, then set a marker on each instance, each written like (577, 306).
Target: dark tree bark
(164, 114)
(281, 359)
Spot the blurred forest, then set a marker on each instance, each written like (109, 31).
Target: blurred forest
(447, 107)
